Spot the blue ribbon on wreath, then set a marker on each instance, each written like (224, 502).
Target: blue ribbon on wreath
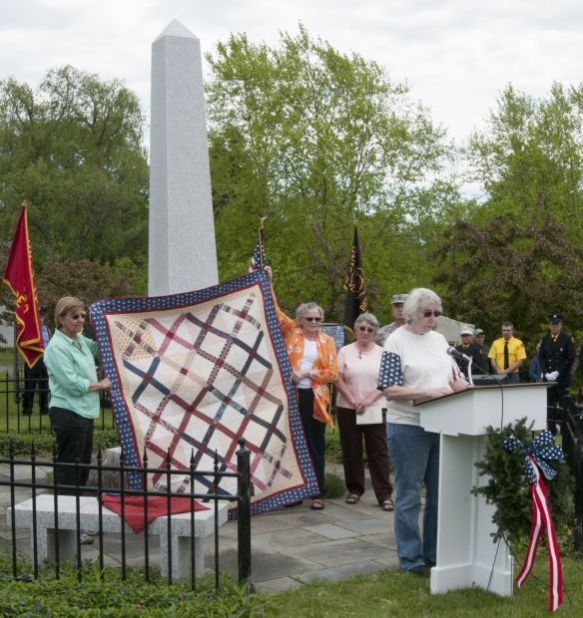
(542, 450)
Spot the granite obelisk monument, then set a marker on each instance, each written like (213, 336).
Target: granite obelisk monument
(182, 251)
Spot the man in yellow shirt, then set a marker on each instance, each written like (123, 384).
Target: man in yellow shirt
(507, 354)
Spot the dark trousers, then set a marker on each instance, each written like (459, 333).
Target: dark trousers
(554, 395)
(314, 431)
(36, 378)
(377, 453)
(74, 435)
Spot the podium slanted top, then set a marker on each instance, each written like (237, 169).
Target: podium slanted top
(472, 411)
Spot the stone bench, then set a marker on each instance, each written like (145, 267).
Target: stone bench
(111, 522)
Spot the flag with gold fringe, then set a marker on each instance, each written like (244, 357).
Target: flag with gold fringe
(19, 276)
(356, 299)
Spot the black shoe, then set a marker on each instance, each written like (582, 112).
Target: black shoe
(27, 413)
(422, 570)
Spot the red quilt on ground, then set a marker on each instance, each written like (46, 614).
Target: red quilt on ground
(135, 512)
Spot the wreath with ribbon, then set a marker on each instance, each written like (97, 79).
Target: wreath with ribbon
(526, 508)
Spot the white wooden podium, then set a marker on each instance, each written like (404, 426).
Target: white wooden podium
(466, 553)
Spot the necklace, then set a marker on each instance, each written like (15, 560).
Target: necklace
(361, 351)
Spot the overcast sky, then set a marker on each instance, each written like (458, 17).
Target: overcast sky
(456, 55)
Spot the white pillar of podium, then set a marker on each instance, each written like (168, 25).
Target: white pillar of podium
(466, 553)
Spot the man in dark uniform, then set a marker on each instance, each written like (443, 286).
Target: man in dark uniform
(480, 341)
(469, 348)
(557, 355)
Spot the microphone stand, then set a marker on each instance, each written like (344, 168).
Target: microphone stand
(470, 378)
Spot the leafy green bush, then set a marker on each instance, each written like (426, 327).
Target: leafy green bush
(333, 486)
(111, 596)
(44, 442)
(333, 449)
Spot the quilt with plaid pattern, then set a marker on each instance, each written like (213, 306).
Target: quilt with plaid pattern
(194, 373)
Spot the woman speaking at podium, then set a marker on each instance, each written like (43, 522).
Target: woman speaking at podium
(416, 368)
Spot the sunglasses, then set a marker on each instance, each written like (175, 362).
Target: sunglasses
(366, 329)
(312, 319)
(428, 313)
(79, 315)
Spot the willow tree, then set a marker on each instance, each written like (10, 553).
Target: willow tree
(73, 148)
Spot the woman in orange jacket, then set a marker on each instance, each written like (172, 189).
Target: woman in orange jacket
(312, 355)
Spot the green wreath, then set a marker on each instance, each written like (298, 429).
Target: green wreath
(507, 490)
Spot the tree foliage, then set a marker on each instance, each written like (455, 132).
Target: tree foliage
(530, 158)
(503, 270)
(316, 139)
(517, 255)
(88, 280)
(73, 149)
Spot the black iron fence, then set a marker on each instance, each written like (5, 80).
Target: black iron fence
(56, 534)
(571, 418)
(24, 403)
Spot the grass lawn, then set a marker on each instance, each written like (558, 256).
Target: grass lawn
(396, 594)
(389, 593)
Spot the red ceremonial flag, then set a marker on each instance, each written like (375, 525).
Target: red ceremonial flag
(19, 277)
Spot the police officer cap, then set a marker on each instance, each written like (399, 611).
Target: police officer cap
(399, 299)
(478, 332)
(555, 318)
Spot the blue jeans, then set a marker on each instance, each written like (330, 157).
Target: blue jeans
(415, 453)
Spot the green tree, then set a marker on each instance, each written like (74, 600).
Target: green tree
(517, 255)
(504, 270)
(529, 160)
(316, 139)
(73, 149)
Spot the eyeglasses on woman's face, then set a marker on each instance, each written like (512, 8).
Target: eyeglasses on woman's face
(427, 313)
(312, 318)
(366, 329)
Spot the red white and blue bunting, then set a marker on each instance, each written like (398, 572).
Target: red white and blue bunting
(542, 450)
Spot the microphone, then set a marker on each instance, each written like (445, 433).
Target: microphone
(457, 354)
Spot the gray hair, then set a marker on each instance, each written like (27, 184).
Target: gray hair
(418, 297)
(369, 318)
(305, 307)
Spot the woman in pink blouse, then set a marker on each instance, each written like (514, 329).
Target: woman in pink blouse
(360, 400)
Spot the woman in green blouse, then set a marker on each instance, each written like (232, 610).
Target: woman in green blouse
(70, 361)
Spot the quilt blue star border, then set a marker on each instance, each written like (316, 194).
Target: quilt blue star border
(191, 375)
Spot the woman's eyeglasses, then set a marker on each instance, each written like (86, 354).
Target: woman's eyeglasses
(366, 329)
(428, 313)
(79, 315)
(312, 319)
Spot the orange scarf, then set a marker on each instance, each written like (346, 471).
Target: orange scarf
(326, 364)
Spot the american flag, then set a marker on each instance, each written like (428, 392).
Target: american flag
(258, 258)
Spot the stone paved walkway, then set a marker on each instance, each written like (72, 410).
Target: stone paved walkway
(289, 547)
